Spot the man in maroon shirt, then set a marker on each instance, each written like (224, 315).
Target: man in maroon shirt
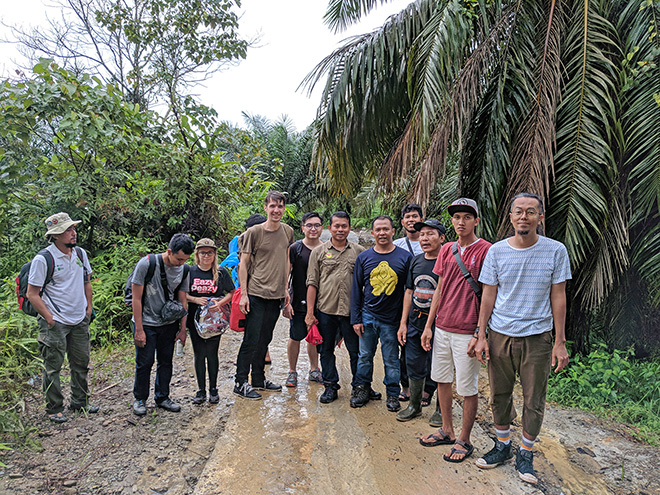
(456, 306)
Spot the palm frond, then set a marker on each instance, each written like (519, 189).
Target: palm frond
(340, 14)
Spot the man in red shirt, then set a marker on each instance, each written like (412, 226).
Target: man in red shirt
(455, 305)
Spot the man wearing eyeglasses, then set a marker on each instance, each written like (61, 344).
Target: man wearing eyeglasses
(524, 296)
(299, 251)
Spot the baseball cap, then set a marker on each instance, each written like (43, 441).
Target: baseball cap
(205, 243)
(465, 205)
(430, 222)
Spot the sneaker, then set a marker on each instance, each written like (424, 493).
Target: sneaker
(268, 386)
(359, 396)
(200, 397)
(214, 398)
(373, 395)
(246, 391)
(525, 466)
(499, 454)
(392, 403)
(169, 405)
(315, 376)
(329, 395)
(139, 408)
(292, 379)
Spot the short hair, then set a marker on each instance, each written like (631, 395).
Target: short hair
(382, 217)
(528, 195)
(181, 242)
(311, 214)
(340, 214)
(276, 196)
(253, 220)
(410, 207)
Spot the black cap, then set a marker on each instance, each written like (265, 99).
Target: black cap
(431, 222)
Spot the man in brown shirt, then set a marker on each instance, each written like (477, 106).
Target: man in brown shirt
(329, 282)
(262, 274)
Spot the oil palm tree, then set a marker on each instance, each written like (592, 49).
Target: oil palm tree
(561, 98)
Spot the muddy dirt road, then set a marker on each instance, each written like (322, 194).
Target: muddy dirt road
(290, 443)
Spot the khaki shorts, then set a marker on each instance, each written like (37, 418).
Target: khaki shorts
(449, 354)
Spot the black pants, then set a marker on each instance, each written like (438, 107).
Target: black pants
(332, 328)
(160, 345)
(418, 361)
(205, 354)
(259, 325)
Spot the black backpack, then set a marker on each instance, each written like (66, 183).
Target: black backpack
(23, 276)
(128, 288)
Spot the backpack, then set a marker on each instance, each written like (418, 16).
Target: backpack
(236, 316)
(23, 276)
(128, 288)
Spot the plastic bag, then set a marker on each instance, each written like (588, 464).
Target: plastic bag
(211, 323)
(314, 336)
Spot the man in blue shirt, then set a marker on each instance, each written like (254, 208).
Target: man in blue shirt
(376, 300)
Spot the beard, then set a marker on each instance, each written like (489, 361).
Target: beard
(70, 245)
(522, 232)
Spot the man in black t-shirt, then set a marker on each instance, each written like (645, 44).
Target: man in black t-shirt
(420, 286)
(312, 226)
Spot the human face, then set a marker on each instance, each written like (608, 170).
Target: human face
(383, 232)
(176, 259)
(312, 228)
(430, 239)
(409, 220)
(275, 210)
(525, 216)
(339, 229)
(68, 238)
(464, 223)
(206, 257)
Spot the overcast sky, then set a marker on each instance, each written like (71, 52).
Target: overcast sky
(293, 40)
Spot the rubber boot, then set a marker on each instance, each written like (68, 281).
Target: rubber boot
(436, 419)
(414, 408)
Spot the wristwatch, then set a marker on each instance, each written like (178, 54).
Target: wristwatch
(476, 333)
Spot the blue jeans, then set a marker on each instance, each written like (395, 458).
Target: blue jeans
(160, 345)
(332, 328)
(389, 346)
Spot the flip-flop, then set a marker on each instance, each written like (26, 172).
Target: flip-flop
(425, 402)
(58, 417)
(403, 397)
(466, 453)
(438, 439)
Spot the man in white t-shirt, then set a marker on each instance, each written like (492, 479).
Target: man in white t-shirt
(410, 215)
(64, 305)
(524, 297)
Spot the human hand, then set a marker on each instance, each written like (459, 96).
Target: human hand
(402, 334)
(182, 336)
(427, 335)
(559, 356)
(310, 320)
(358, 329)
(244, 303)
(140, 338)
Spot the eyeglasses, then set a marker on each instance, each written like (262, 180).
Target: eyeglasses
(518, 212)
(313, 226)
(207, 253)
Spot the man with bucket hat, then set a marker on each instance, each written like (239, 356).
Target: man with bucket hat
(64, 306)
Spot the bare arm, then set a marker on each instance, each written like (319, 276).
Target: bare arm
(310, 319)
(403, 325)
(181, 296)
(479, 347)
(140, 337)
(427, 334)
(288, 310)
(38, 303)
(558, 306)
(244, 303)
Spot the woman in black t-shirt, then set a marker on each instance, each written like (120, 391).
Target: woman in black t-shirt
(207, 280)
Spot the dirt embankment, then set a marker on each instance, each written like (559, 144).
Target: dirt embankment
(290, 443)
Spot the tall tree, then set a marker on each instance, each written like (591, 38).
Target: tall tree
(554, 97)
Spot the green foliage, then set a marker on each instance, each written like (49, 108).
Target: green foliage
(613, 384)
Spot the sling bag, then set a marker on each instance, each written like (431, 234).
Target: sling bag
(466, 274)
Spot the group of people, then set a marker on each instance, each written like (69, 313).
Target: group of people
(438, 309)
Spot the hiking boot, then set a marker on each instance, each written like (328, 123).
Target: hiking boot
(373, 395)
(392, 403)
(499, 454)
(169, 405)
(214, 398)
(414, 408)
(268, 386)
(329, 395)
(525, 466)
(436, 419)
(315, 376)
(200, 397)
(359, 396)
(139, 408)
(292, 379)
(246, 391)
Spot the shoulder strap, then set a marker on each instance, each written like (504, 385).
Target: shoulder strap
(79, 252)
(50, 269)
(410, 248)
(466, 274)
(163, 277)
(150, 269)
(186, 271)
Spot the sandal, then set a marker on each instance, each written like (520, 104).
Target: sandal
(426, 401)
(404, 397)
(58, 417)
(441, 438)
(466, 453)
